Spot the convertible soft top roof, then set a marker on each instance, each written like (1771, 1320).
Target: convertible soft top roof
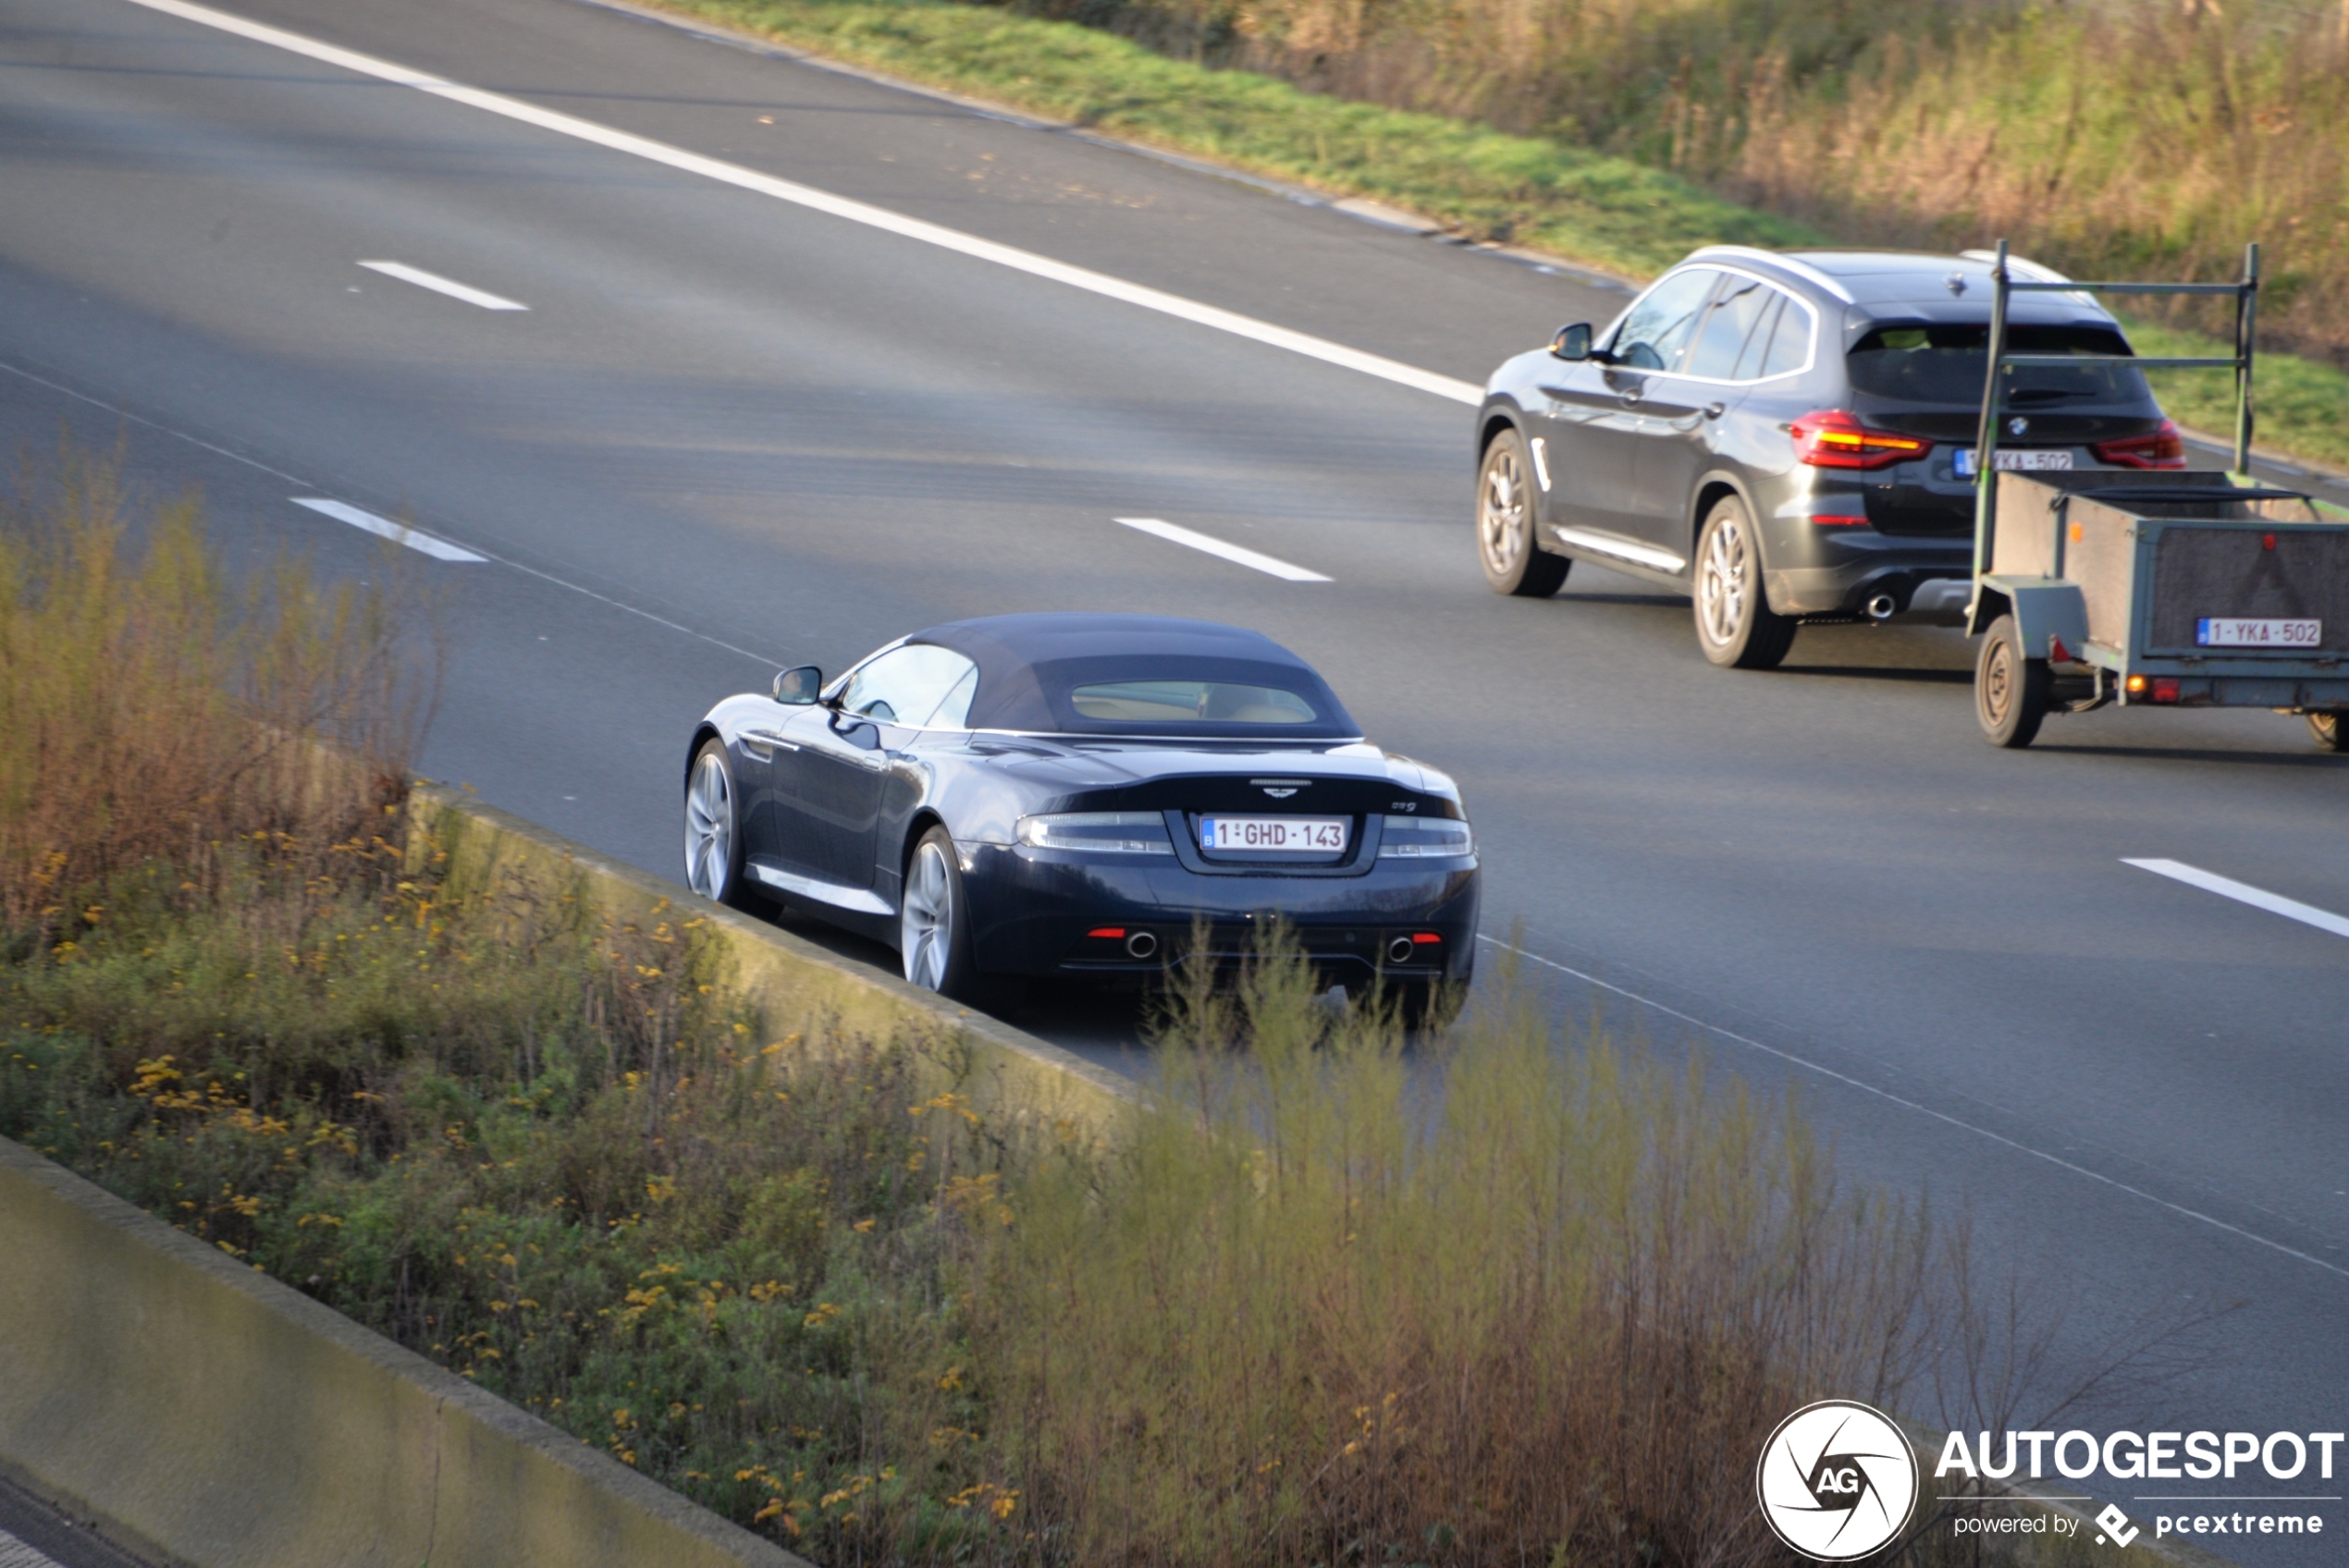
(1027, 664)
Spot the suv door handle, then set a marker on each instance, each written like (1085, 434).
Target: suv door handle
(1715, 410)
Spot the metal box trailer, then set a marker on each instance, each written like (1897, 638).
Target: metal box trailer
(2165, 587)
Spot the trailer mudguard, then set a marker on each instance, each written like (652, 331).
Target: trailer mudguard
(2046, 610)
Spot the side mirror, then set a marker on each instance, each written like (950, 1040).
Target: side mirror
(798, 688)
(1572, 342)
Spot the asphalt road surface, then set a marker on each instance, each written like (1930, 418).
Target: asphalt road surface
(739, 426)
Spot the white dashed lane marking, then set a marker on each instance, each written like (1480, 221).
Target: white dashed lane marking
(2244, 893)
(342, 511)
(14, 1553)
(1175, 533)
(447, 286)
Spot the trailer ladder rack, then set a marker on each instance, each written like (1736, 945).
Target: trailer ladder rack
(2003, 285)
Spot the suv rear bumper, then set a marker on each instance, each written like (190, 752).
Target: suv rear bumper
(1864, 564)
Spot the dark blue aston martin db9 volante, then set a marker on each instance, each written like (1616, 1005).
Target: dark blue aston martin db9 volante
(1067, 794)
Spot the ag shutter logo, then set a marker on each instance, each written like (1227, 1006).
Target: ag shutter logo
(1837, 1480)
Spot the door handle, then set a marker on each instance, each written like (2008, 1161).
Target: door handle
(1715, 410)
(1630, 397)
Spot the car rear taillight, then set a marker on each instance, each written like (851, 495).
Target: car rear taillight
(1832, 438)
(2162, 449)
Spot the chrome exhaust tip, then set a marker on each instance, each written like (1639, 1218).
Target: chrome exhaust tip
(1882, 606)
(1141, 944)
(1399, 951)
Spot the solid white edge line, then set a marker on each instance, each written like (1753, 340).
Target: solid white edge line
(447, 286)
(384, 528)
(836, 206)
(1208, 544)
(2244, 893)
(1941, 1116)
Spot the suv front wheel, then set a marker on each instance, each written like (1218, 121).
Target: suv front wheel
(1734, 625)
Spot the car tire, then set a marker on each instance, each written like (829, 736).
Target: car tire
(933, 920)
(2330, 731)
(713, 832)
(1734, 625)
(2012, 693)
(1513, 559)
(1432, 1005)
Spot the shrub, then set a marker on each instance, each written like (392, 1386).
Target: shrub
(155, 707)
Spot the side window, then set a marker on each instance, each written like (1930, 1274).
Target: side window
(1655, 334)
(1757, 342)
(955, 709)
(1728, 328)
(906, 685)
(1791, 344)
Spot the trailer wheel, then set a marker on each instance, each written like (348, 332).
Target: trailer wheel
(2332, 731)
(2010, 692)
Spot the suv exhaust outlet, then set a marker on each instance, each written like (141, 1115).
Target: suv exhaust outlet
(1882, 606)
(1141, 944)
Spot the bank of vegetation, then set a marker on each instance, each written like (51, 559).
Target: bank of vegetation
(2102, 138)
(1541, 1307)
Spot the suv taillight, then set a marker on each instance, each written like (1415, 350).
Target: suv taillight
(2163, 449)
(1832, 438)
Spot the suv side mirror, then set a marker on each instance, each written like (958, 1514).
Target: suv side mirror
(1572, 342)
(798, 688)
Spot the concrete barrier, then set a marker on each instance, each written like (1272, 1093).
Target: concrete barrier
(202, 1412)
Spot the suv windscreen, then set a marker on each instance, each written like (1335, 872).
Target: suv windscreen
(1920, 363)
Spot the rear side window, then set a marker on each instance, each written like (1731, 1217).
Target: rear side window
(1789, 347)
(1932, 362)
(1726, 343)
(1655, 334)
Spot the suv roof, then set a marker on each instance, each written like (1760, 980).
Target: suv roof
(1915, 282)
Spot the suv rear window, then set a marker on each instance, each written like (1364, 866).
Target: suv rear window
(1932, 362)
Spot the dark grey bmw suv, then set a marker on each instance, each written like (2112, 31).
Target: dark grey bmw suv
(1788, 436)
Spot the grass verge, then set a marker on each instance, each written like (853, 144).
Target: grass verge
(1589, 208)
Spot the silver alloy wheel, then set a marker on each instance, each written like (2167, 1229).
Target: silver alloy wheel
(925, 925)
(709, 828)
(1724, 580)
(1501, 520)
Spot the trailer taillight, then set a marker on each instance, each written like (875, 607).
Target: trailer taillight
(2163, 449)
(1833, 438)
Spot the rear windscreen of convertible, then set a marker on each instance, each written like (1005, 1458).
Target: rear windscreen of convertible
(1189, 702)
